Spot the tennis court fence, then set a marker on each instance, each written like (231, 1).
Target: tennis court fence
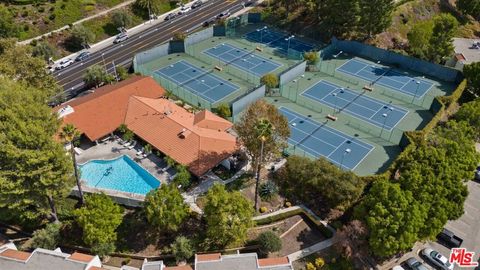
(291, 73)
(406, 62)
(242, 102)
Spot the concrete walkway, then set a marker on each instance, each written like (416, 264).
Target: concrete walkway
(311, 249)
(121, 5)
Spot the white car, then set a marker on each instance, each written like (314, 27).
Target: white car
(184, 9)
(437, 259)
(64, 63)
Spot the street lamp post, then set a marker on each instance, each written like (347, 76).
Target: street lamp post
(416, 91)
(103, 61)
(384, 121)
(261, 33)
(346, 152)
(288, 44)
(335, 103)
(338, 54)
(263, 139)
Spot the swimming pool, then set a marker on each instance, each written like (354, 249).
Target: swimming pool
(122, 174)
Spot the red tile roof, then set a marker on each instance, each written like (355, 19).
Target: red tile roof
(100, 113)
(15, 254)
(80, 257)
(209, 257)
(273, 261)
(199, 141)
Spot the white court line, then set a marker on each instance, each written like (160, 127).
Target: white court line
(356, 142)
(356, 115)
(329, 129)
(246, 69)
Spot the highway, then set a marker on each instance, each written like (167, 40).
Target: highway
(71, 78)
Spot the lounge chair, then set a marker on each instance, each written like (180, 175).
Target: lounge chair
(140, 152)
(127, 144)
(132, 145)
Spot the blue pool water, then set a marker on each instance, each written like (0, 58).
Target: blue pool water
(122, 174)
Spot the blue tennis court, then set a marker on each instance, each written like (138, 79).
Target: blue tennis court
(242, 59)
(371, 110)
(321, 141)
(198, 81)
(278, 40)
(387, 77)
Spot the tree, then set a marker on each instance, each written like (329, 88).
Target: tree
(182, 249)
(170, 161)
(47, 238)
(470, 7)
(375, 16)
(122, 73)
(393, 218)
(419, 39)
(179, 36)
(147, 149)
(337, 25)
(470, 112)
(269, 242)
(183, 177)
(70, 134)
(318, 182)
(223, 110)
(99, 218)
(351, 239)
(128, 135)
(270, 81)
(228, 216)
(34, 168)
(121, 19)
(80, 37)
(262, 125)
(96, 75)
(472, 74)
(441, 41)
(165, 208)
(311, 58)
(8, 28)
(43, 50)
(152, 6)
(19, 65)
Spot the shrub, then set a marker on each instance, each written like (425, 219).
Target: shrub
(263, 209)
(288, 204)
(269, 242)
(52, 17)
(319, 262)
(47, 237)
(268, 190)
(310, 266)
(182, 249)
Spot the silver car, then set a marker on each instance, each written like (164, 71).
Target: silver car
(120, 37)
(437, 259)
(414, 264)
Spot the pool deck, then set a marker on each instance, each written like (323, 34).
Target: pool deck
(112, 149)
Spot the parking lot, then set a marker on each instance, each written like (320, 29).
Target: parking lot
(467, 227)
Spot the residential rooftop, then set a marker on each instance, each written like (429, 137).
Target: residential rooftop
(247, 261)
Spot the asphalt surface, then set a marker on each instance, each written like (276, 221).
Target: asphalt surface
(71, 78)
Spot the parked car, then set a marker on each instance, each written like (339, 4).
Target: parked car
(477, 174)
(224, 15)
(82, 56)
(120, 37)
(449, 239)
(414, 264)
(64, 63)
(170, 16)
(197, 4)
(247, 3)
(437, 259)
(398, 267)
(184, 9)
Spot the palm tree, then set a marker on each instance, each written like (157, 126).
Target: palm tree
(70, 134)
(264, 130)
